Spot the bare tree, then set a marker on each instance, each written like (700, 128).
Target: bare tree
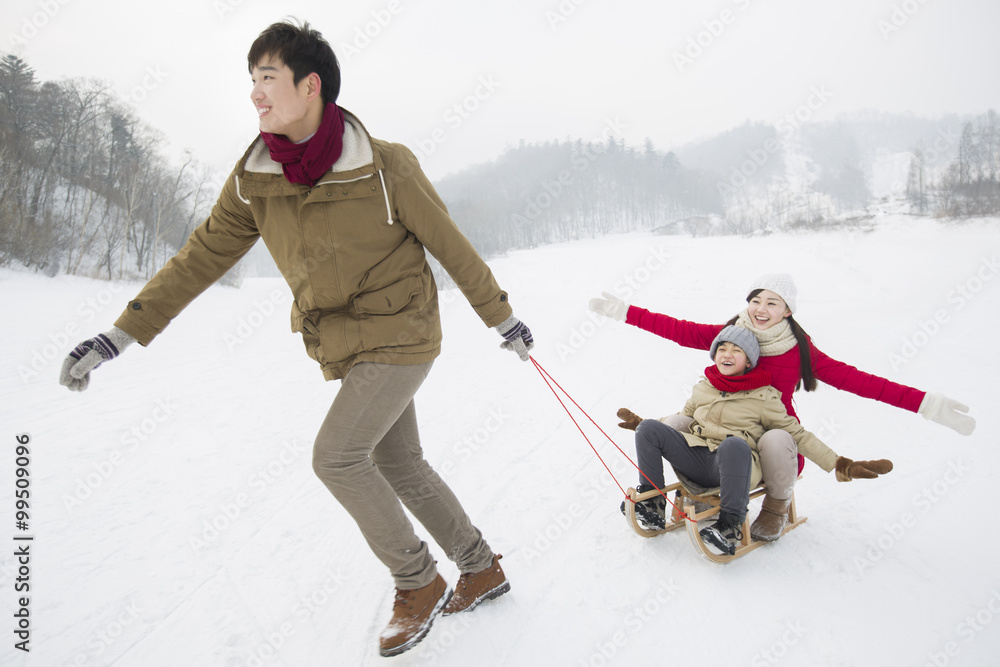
(973, 186)
(916, 188)
(82, 180)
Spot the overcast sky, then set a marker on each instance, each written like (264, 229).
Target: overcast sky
(460, 81)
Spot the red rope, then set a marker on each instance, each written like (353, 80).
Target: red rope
(546, 377)
(545, 373)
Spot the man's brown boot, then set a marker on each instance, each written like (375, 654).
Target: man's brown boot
(474, 587)
(413, 613)
(770, 523)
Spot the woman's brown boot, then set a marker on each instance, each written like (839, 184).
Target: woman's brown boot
(770, 523)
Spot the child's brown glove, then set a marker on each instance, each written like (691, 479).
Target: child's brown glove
(630, 419)
(847, 469)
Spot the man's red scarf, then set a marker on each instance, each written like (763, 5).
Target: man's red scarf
(755, 378)
(307, 162)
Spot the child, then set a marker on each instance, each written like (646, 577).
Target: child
(732, 407)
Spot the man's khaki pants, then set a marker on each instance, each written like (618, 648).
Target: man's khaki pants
(368, 454)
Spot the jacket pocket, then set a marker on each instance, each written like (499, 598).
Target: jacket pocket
(297, 318)
(310, 333)
(402, 315)
(388, 300)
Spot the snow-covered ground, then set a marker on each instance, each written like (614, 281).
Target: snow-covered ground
(177, 521)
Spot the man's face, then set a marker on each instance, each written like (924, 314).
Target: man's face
(282, 106)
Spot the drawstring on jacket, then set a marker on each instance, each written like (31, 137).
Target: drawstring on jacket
(238, 193)
(385, 192)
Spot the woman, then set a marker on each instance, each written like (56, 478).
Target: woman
(788, 354)
(729, 411)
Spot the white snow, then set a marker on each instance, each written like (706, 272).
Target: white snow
(177, 520)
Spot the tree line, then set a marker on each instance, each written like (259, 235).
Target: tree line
(970, 185)
(84, 188)
(538, 193)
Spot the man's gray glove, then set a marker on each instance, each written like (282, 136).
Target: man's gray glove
(90, 354)
(610, 306)
(517, 337)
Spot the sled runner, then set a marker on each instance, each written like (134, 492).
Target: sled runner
(685, 498)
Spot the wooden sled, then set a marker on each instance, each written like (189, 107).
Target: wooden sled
(686, 498)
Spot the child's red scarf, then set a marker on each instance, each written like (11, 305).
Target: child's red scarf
(755, 378)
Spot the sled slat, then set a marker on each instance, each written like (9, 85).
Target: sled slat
(684, 504)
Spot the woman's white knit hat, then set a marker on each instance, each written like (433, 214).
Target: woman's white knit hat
(779, 283)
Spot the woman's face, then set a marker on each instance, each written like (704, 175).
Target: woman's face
(730, 359)
(767, 309)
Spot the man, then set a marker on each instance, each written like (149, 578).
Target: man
(346, 218)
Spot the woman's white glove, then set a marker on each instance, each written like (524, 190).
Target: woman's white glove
(948, 412)
(610, 306)
(90, 354)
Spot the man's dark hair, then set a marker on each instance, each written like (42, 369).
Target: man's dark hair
(304, 51)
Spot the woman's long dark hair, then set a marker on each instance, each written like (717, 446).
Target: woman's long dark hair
(808, 380)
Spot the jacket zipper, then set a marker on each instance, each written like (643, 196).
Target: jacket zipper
(385, 191)
(350, 180)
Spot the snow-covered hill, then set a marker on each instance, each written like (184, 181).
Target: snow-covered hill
(177, 521)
